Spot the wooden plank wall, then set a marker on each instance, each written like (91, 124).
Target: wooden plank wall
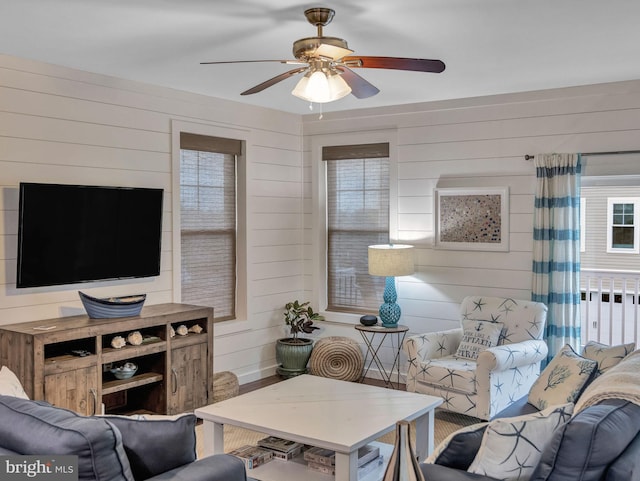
(67, 126)
(471, 143)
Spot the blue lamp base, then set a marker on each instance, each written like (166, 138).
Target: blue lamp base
(390, 311)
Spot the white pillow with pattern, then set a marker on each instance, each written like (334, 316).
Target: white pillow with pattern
(478, 336)
(511, 447)
(10, 385)
(606, 356)
(563, 380)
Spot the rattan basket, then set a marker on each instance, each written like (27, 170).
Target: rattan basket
(225, 386)
(337, 357)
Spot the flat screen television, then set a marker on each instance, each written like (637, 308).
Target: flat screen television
(79, 233)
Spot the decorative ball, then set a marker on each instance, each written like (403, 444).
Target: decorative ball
(368, 320)
(117, 342)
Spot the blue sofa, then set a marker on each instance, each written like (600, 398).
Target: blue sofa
(112, 448)
(600, 442)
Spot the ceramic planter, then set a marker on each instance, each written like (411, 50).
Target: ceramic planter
(293, 356)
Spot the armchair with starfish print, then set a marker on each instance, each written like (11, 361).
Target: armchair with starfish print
(482, 367)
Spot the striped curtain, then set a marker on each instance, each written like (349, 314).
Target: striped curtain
(556, 247)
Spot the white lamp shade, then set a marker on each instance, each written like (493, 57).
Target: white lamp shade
(321, 87)
(391, 260)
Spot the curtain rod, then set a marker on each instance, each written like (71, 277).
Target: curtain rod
(592, 154)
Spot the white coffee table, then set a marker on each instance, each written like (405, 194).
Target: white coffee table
(331, 414)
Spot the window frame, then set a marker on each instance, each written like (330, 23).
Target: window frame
(611, 201)
(319, 218)
(239, 323)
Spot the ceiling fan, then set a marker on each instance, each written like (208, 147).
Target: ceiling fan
(327, 65)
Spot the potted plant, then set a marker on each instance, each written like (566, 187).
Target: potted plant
(293, 353)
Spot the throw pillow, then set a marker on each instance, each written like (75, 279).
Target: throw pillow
(155, 443)
(563, 380)
(478, 336)
(36, 427)
(584, 448)
(606, 356)
(10, 385)
(459, 448)
(512, 447)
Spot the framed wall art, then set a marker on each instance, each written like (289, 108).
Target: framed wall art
(472, 218)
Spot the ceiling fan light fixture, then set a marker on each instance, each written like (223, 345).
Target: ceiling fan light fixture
(321, 86)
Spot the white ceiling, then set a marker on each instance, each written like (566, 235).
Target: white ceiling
(488, 46)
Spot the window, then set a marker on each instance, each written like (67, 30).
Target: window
(357, 182)
(208, 231)
(622, 225)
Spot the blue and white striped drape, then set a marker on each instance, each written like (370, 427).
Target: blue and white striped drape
(556, 247)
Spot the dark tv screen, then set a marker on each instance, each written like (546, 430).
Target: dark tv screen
(77, 233)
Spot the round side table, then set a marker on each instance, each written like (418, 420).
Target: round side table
(374, 337)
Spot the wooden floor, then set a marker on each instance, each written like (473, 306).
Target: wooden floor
(267, 381)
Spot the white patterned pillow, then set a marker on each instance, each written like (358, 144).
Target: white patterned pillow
(606, 356)
(478, 336)
(10, 385)
(563, 380)
(512, 447)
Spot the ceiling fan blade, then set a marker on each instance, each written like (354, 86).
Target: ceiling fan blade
(291, 62)
(360, 88)
(273, 81)
(395, 63)
(331, 51)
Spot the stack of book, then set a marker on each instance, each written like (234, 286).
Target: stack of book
(282, 449)
(253, 456)
(324, 460)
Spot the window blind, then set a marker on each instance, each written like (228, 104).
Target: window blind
(208, 227)
(357, 216)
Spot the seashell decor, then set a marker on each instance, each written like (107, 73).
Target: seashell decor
(172, 332)
(117, 342)
(196, 329)
(134, 338)
(182, 330)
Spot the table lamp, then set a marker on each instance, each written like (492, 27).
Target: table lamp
(390, 260)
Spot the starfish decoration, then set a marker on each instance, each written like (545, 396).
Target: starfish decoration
(517, 433)
(522, 466)
(504, 336)
(425, 338)
(506, 309)
(478, 304)
(451, 374)
(534, 323)
(498, 387)
(424, 369)
(510, 354)
(474, 381)
(516, 372)
(472, 405)
(413, 362)
(447, 398)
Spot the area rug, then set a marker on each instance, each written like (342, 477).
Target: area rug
(445, 423)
